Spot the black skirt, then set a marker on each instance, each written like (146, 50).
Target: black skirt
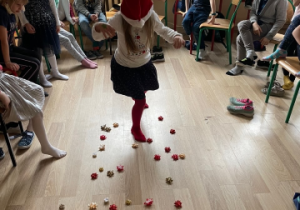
(133, 82)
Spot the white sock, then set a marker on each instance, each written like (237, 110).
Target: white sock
(54, 69)
(46, 147)
(251, 54)
(43, 81)
(202, 54)
(235, 70)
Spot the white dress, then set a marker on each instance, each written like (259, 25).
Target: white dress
(27, 98)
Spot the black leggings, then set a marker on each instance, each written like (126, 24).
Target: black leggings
(28, 60)
(291, 51)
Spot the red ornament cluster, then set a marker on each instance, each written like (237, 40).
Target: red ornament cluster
(102, 137)
(156, 157)
(94, 175)
(160, 118)
(113, 207)
(172, 131)
(178, 204)
(175, 157)
(167, 149)
(149, 140)
(148, 202)
(120, 168)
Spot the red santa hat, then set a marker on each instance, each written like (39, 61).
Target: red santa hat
(136, 12)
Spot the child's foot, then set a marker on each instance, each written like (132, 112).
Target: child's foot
(54, 152)
(279, 53)
(146, 106)
(251, 54)
(57, 76)
(202, 54)
(45, 83)
(235, 71)
(88, 64)
(288, 84)
(138, 134)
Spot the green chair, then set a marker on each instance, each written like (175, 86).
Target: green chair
(291, 64)
(277, 39)
(161, 18)
(225, 25)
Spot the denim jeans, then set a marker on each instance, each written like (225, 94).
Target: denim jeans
(84, 23)
(180, 6)
(195, 16)
(288, 36)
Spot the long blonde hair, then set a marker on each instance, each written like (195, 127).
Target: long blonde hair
(131, 46)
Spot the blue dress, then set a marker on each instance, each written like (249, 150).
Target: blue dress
(40, 16)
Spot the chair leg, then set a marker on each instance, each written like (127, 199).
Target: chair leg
(213, 40)
(198, 45)
(21, 127)
(106, 44)
(191, 44)
(12, 156)
(80, 37)
(292, 103)
(229, 46)
(158, 40)
(271, 62)
(271, 83)
(48, 64)
(72, 30)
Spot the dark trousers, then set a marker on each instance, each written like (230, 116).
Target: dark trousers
(28, 60)
(288, 36)
(293, 50)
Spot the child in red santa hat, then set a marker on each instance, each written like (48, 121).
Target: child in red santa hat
(132, 71)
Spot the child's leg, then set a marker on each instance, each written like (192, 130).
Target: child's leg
(187, 20)
(46, 147)
(101, 18)
(137, 112)
(200, 16)
(296, 34)
(54, 69)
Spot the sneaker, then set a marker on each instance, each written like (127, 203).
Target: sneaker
(202, 54)
(187, 45)
(2, 154)
(98, 54)
(241, 102)
(158, 58)
(245, 62)
(26, 140)
(275, 91)
(90, 55)
(156, 50)
(264, 64)
(248, 4)
(247, 111)
(276, 83)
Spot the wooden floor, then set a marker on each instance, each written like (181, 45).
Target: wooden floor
(231, 162)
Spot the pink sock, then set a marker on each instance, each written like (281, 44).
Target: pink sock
(88, 60)
(88, 64)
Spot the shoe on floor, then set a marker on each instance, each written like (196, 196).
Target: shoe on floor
(2, 154)
(247, 111)
(245, 62)
(264, 64)
(156, 50)
(98, 54)
(26, 140)
(90, 55)
(202, 54)
(288, 86)
(275, 91)
(158, 58)
(276, 83)
(241, 102)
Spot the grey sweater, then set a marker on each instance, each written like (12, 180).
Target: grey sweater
(274, 12)
(84, 6)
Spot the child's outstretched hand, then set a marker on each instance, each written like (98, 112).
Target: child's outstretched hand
(106, 29)
(178, 42)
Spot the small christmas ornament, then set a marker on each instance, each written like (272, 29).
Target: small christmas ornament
(182, 156)
(103, 127)
(148, 202)
(61, 207)
(102, 137)
(94, 175)
(175, 157)
(101, 169)
(106, 200)
(116, 125)
(128, 202)
(167, 149)
(156, 157)
(160, 118)
(172, 131)
(178, 204)
(135, 146)
(93, 206)
(110, 173)
(113, 207)
(102, 147)
(149, 140)
(169, 180)
(107, 129)
(94, 155)
(120, 168)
